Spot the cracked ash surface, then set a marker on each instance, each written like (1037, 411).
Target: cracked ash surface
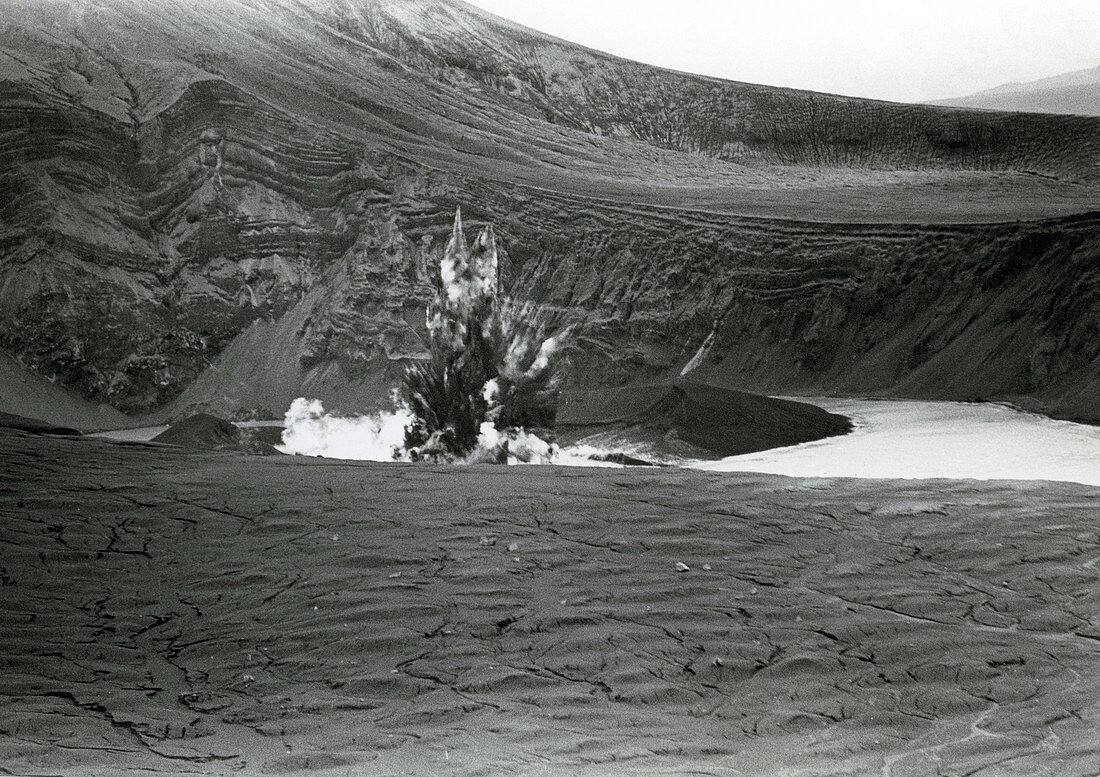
(173, 612)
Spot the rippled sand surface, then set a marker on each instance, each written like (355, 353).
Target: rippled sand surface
(173, 612)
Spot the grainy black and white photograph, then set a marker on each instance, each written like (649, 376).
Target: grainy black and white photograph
(594, 388)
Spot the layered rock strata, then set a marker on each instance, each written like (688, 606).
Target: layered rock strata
(224, 206)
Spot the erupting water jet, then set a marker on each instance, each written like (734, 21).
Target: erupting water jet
(491, 371)
(491, 376)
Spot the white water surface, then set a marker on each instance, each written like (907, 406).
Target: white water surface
(920, 439)
(135, 434)
(891, 439)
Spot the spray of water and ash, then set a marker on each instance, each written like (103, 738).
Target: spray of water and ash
(490, 378)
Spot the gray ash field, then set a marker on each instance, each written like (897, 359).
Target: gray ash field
(178, 612)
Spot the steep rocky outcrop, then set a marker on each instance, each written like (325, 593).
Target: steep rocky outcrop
(220, 206)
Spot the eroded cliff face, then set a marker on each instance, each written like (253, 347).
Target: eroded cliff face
(225, 205)
(949, 312)
(131, 261)
(975, 312)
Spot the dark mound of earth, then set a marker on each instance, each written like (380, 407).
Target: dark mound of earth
(210, 432)
(623, 458)
(694, 419)
(12, 421)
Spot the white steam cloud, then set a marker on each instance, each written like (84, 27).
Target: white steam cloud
(309, 430)
(469, 277)
(542, 360)
(515, 446)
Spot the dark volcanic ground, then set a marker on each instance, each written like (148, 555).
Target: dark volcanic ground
(175, 612)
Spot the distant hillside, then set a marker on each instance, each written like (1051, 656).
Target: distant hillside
(1070, 93)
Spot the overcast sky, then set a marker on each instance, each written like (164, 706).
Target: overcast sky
(908, 50)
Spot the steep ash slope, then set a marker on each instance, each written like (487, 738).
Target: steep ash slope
(177, 177)
(22, 393)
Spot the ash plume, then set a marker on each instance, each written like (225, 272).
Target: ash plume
(487, 391)
(491, 372)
